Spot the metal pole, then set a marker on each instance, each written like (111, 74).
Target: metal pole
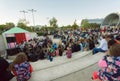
(24, 13)
(32, 11)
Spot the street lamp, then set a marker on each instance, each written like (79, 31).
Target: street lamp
(32, 11)
(24, 12)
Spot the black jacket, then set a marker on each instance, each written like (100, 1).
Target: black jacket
(4, 74)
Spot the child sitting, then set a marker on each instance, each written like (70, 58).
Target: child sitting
(21, 68)
(50, 57)
(110, 66)
(57, 52)
(69, 51)
(46, 54)
(51, 54)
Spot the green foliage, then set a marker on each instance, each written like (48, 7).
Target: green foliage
(68, 27)
(75, 26)
(40, 33)
(53, 22)
(28, 29)
(10, 25)
(91, 25)
(2, 28)
(50, 28)
(37, 29)
(85, 24)
(22, 23)
(24, 26)
(47, 29)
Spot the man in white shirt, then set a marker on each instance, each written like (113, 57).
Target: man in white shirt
(103, 47)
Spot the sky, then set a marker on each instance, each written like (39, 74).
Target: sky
(65, 11)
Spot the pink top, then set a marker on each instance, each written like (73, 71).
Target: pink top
(102, 63)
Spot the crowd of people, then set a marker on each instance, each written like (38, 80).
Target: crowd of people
(70, 41)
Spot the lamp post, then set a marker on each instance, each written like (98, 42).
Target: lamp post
(32, 11)
(24, 12)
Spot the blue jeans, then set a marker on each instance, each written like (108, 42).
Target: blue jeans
(96, 50)
(81, 47)
(50, 58)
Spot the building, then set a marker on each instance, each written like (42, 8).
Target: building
(111, 20)
(97, 21)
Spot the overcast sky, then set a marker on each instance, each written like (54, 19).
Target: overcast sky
(65, 11)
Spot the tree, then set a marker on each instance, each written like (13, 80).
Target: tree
(68, 27)
(84, 22)
(53, 22)
(9, 25)
(22, 25)
(91, 25)
(75, 26)
(2, 28)
(23, 21)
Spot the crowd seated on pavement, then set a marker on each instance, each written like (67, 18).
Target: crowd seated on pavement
(74, 40)
(71, 41)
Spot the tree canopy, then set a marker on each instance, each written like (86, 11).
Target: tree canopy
(75, 26)
(86, 24)
(53, 22)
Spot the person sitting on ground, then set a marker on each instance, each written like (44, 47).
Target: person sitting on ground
(5, 74)
(46, 54)
(81, 45)
(86, 44)
(91, 44)
(61, 49)
(118, 39)
(111, 42)
(109, 66)
(21, 68)
(103, 47)
(57, 52)
(69, 51)
(55, 46)
(50, 56)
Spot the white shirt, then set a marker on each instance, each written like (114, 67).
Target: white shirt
(103, 45)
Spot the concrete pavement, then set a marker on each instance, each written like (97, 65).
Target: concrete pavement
(63, 69)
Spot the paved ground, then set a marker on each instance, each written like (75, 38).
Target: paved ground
(78, 68)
